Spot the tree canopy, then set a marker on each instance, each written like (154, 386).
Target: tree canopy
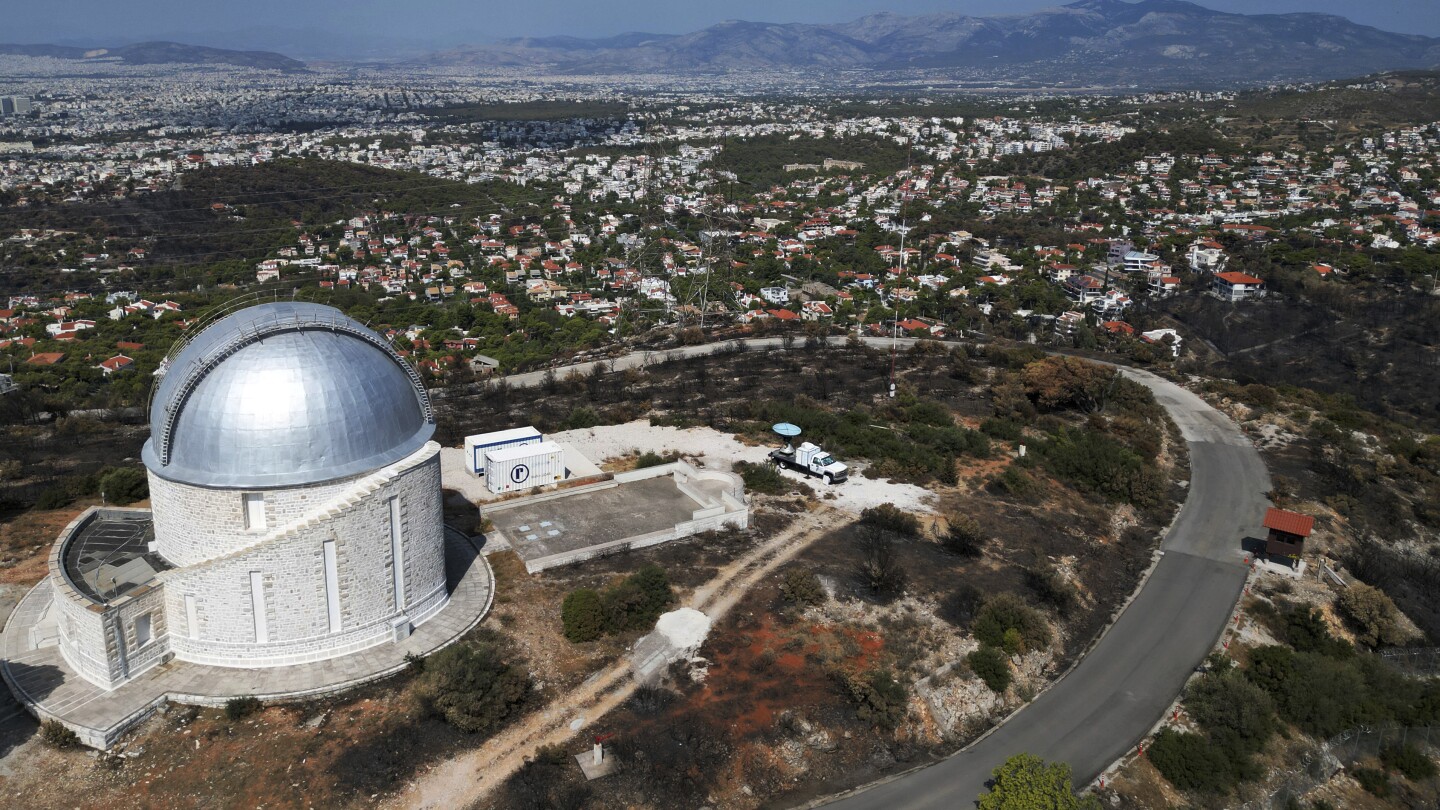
(1027, 782)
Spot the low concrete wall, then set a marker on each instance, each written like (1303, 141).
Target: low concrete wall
(651, 472)
(500, 506)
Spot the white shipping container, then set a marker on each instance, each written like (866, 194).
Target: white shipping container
(509, 469)
(481, 443)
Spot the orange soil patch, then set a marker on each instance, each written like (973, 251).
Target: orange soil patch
(759, 672)
(980, 469)
(25, 543)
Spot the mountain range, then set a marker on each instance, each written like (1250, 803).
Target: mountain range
(160, 53)
(1095, 43)
(1151, 42)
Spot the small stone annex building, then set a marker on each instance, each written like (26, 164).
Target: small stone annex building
(295, 517)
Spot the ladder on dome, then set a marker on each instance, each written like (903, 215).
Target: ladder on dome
(258, 330)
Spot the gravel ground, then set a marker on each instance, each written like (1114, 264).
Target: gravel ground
(717, 450)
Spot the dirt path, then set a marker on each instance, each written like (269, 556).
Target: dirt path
(466, 779)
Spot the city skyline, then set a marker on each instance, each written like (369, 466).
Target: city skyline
(372, 27)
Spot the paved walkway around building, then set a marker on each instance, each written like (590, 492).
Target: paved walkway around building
(49, 688)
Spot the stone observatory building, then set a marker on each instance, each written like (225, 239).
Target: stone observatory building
(295, 507)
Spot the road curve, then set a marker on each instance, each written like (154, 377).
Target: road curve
(1122, 687)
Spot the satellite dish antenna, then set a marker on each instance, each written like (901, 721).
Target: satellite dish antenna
(789, 431)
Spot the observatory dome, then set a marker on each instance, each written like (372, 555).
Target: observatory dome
(284, 394)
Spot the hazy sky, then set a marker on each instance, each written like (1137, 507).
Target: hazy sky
(447, 21)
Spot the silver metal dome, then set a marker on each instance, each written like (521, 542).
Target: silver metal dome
(284, 394)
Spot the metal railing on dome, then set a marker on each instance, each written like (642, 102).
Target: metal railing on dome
(250, 332)
(201, 323)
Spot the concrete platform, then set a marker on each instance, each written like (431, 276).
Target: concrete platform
(590, 518)
(637, 509)
(593, 770)
(1282, 567)
(45, 685)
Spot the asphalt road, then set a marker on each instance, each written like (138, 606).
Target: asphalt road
(1122, 687)
(1117, 693)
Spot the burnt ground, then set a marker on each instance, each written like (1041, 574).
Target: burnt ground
(37, 455)
(718, 390)
(358, 748)
(771, 716)
(1381, 348)
(772, 722)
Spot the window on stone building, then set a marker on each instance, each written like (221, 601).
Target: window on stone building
(254, 503)
(143, 634)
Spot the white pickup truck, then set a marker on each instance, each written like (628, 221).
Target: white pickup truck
(811, 460)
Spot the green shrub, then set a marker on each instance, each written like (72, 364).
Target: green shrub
(1409, 761)
(633, 603)
(1007, 611)
(1305, 630)
(879, 698)
(653, 459)
(57, 735)
(581, 417)
(964, 537)
(56, 497)
(801, 586)
(582, 615)
(889, 517)
(1190, 762)
(991, 666)
(1095, 462)
(1052, 588)
(762, 478)
(1014, 482)
(637, 601)
(124, 485)
(1372, 614)
(1324, 695)
(471, 687)
(1005, 429)
(1012, 642)
(239, 708)
(1375, 782)
(929, 412)
(1027, 782)
(1232, 709)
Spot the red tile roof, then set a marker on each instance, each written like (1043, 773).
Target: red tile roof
(1289, 522)
(1240, 278)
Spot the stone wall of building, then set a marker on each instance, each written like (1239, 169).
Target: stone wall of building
(84, 643)
(194, 524)
(125, 615)
(297, 618)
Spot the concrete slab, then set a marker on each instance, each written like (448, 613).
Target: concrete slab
(562, 525)
(594, 770)
(1282, 567)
